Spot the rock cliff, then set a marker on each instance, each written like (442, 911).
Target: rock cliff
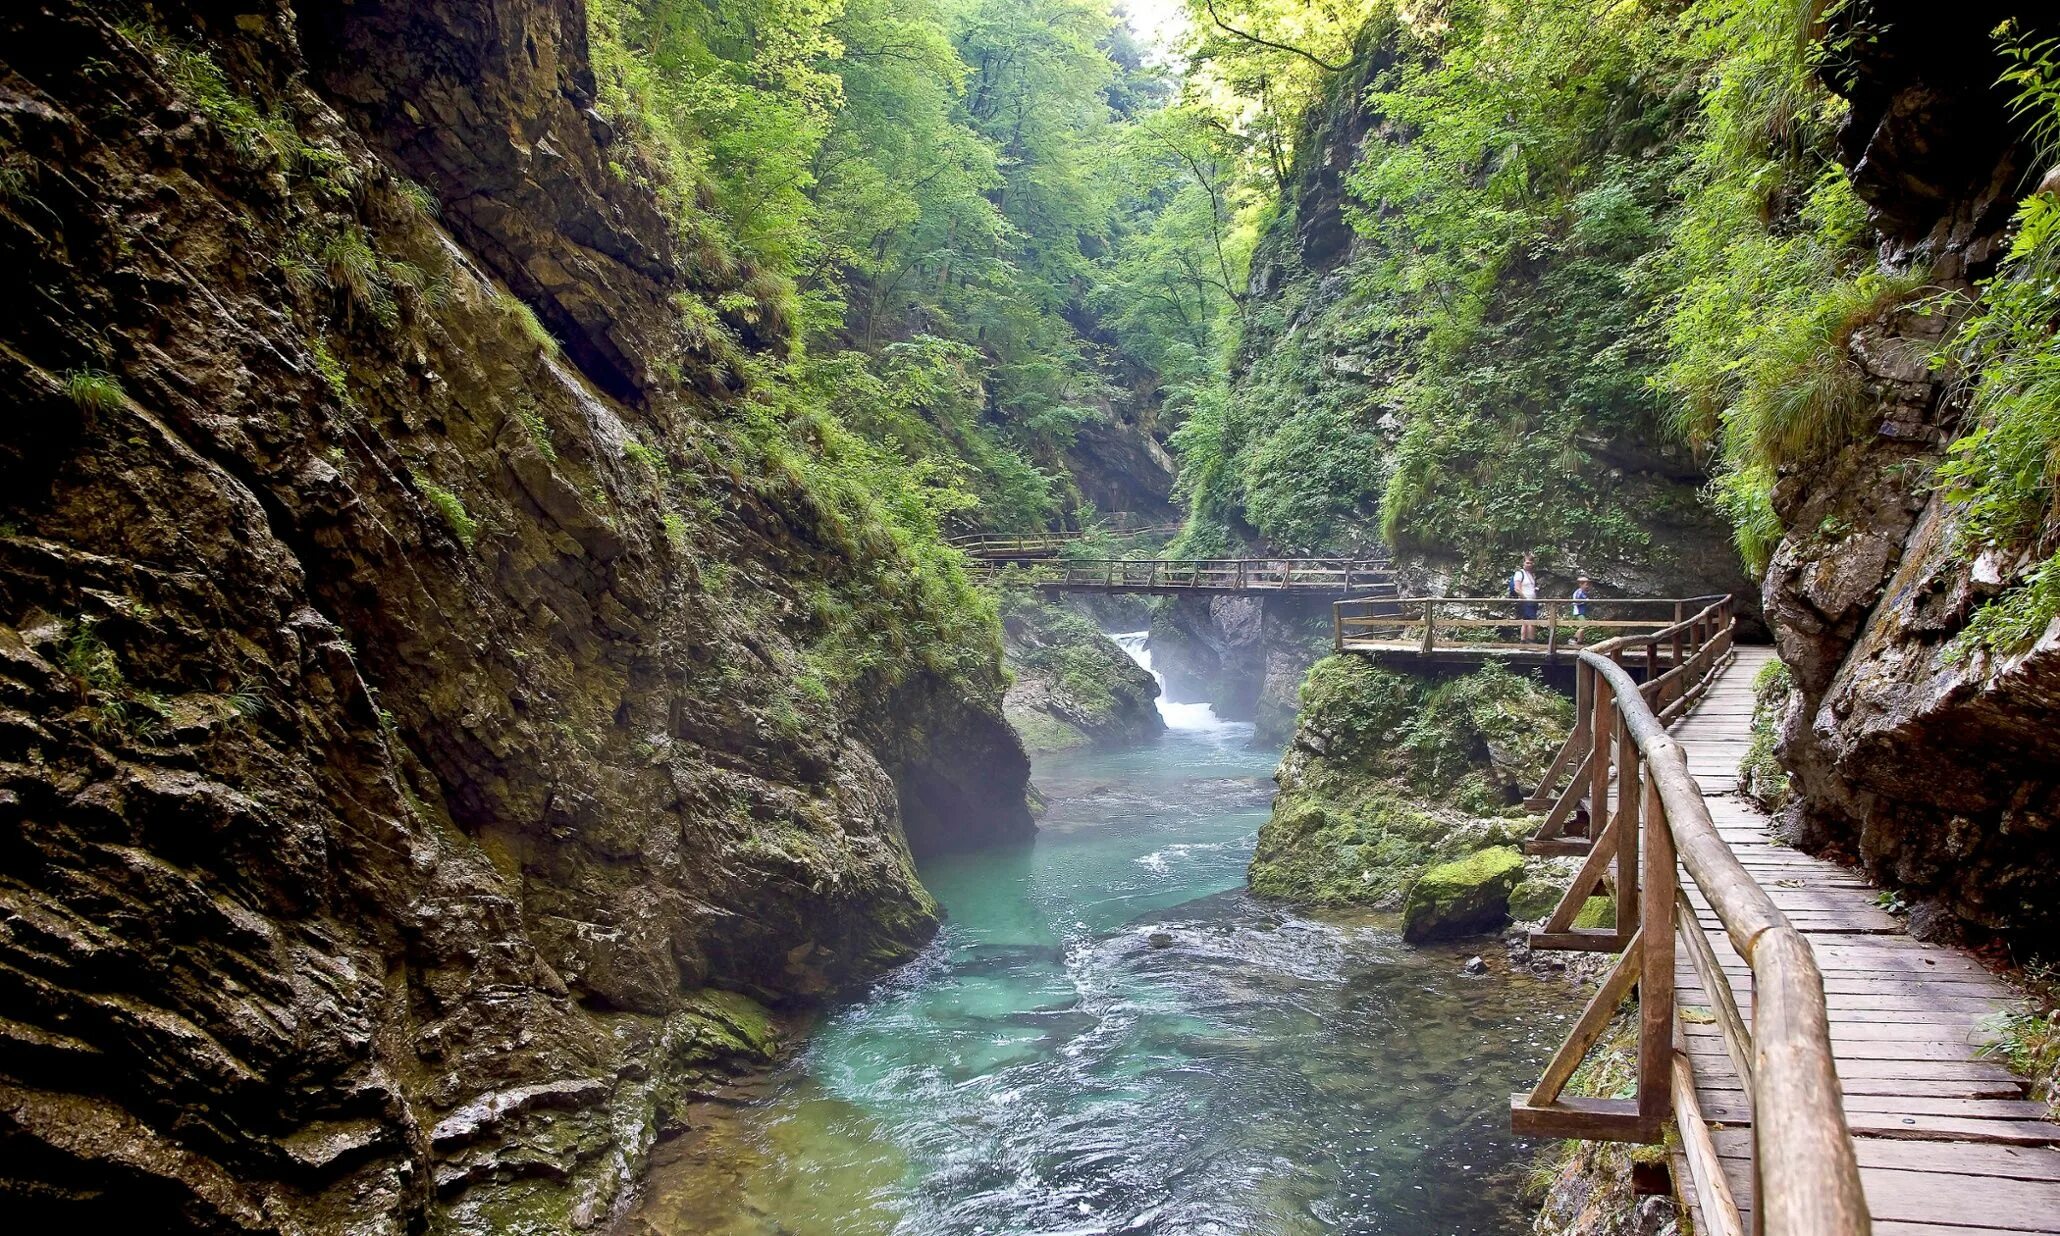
(1937, 771)
(1389, 775)
(1073, 686)
(1552, 439)
(430, 709)
(1244, 656)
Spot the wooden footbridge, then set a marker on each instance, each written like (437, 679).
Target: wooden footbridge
(1038, 546)
(1367, 578)
(1823, 1071)
(1473, 630)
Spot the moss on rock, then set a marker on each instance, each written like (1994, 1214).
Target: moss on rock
(1388, 776)
(1462, 896)
(1073, 686)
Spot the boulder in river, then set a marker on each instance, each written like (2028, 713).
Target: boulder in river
(1461, 897)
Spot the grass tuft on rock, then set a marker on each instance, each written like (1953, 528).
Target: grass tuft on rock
(93, 390)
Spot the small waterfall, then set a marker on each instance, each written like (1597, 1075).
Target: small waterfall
(1196, 718)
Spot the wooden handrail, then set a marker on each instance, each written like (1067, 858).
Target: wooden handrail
(1808, 1175)
(1201, 574)
(1361, 618)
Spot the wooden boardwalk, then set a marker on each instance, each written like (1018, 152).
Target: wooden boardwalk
(1947, 1142)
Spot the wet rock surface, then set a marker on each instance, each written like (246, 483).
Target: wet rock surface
(1243, 656)
(1389, 778)
(388, 781)
(1933, 769)
(1073, 686)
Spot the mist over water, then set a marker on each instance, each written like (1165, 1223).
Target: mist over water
(1109, 1036)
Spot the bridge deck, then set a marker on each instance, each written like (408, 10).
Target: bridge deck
(1948, 1143)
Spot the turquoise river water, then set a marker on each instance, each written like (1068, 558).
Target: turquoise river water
(1109, 1036)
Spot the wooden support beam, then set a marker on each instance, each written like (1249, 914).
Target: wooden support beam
(1595, 1120)
(1657, 893)
(1594, 1019)
(1712, 1188)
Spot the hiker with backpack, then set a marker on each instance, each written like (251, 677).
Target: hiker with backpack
(1523, 585)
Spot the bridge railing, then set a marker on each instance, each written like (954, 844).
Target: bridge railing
(1214, 574)
(1431, 623)
(1653, 824)
(1007, 545)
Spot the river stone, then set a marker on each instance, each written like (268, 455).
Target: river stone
(1463, 896)
(1535, 897)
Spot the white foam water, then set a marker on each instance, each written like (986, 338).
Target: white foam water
(1192, 718)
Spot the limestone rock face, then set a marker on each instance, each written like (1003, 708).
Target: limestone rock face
(393, 771)
(1939, 773)
(1388, 777)
(1073, 686)
(1245, 656)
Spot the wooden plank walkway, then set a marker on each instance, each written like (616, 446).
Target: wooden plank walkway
(1948, 1143)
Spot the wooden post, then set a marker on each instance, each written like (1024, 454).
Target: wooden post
(1551, 628)
(1656, 971)
(1600, 739)
(1651, 659)
(1337, 626)
(1240, 574)
(1629, 906)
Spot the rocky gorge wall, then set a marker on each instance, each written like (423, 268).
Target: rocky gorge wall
(1244, 656)
(1328, 356)
(1934, 769)
(422, 722)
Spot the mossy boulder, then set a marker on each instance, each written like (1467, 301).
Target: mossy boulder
(1463, 896)
(1535, 897)
(1319, 850)
(1072, 687)
(1388, 776)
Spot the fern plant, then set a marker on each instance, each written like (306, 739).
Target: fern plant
(2005, 470)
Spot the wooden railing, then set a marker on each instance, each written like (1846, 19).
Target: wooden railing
(1431, 623)
(1677, 662)
(1213, 575)
(1651, 824)
(1007, 545)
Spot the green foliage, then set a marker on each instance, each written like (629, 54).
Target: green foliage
(538, 429)
(2027, 1038)
(330, 369)
(2012, 621)
(648, 458)
(93, 390)
(452, 508)
(2005, 471)
(194, 74)
(676, 530)
(90, 662)
(527, 323)
(1760, 775)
